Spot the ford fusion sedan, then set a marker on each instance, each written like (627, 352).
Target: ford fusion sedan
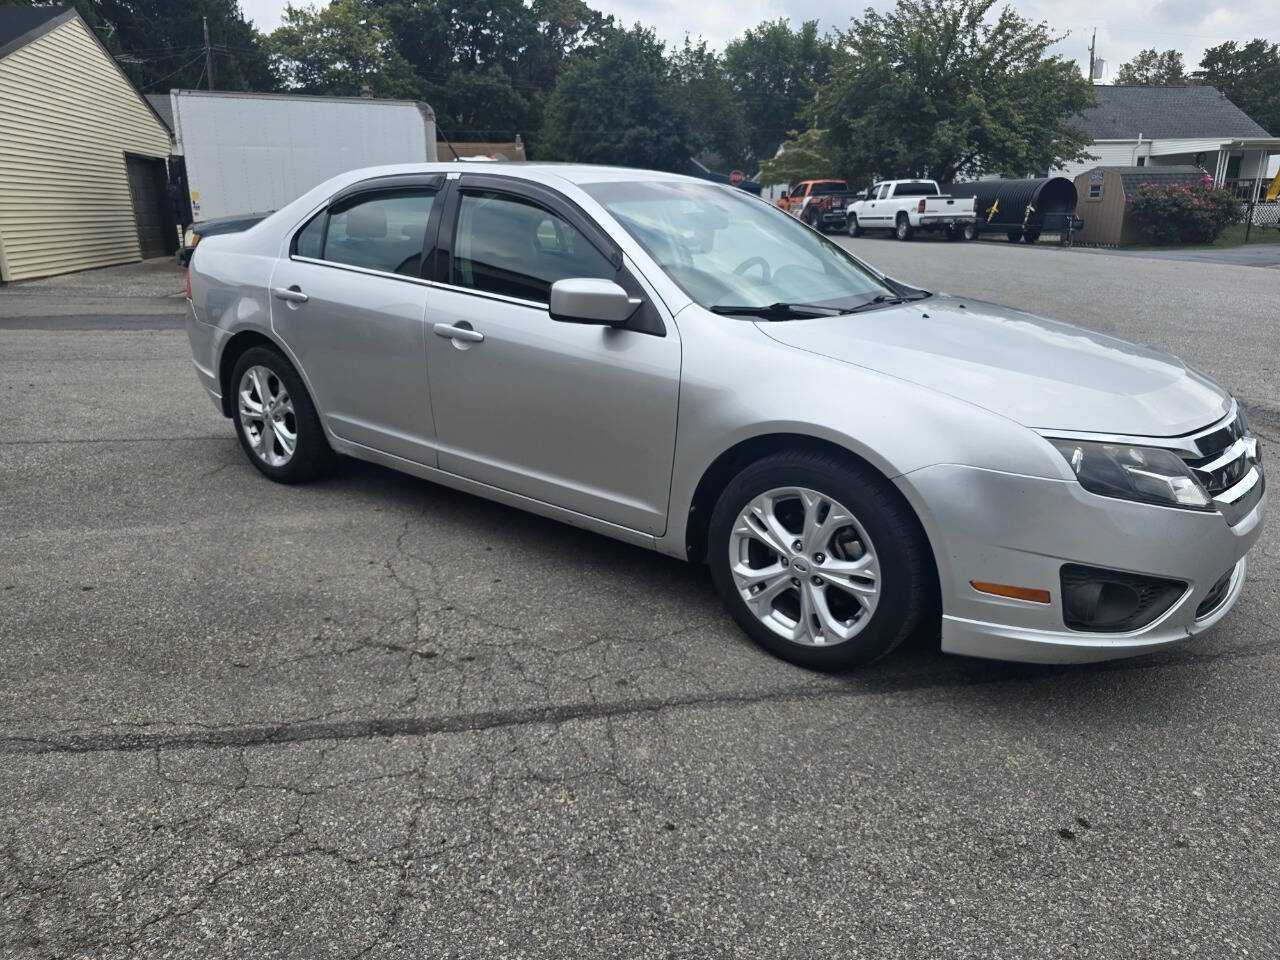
(686, 368)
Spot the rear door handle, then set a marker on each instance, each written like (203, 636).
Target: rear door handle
(450, 332)
(292, 294)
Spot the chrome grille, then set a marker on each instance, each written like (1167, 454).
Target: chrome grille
(1226, 461)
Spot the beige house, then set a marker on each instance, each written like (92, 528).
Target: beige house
(83, 176)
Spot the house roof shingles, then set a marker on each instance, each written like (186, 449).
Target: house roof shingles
(20, 25)
(1164, 113)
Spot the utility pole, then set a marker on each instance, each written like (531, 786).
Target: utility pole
(208, 53)
(1092, 46)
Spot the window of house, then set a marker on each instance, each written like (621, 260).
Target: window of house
(1095, 191)
(511, 246)
(1142, 161)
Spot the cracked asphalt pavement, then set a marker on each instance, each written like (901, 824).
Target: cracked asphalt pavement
(377, 718)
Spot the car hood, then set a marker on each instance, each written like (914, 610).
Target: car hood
(1038, 372)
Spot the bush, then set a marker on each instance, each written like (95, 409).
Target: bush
(1183, 213)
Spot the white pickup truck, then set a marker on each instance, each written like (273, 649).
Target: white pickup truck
(905, 206)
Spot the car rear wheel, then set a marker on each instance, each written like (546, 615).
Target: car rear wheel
(819, 560)
(275, 419)
(902, 229)
(852, 226)
(970, 231)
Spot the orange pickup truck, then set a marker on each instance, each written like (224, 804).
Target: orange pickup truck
(819, 203)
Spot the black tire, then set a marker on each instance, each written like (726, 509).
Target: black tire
(954, 233)
(906, 566)
(851, 226)
(1031, 236)
(811, 218)
(312, 457)
(902, 227)
(1014, 235)
(970, 231)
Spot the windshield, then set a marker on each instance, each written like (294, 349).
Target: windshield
(725, 247)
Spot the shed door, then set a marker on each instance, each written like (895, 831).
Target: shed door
(148, 186)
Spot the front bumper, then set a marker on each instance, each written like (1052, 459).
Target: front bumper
(997, 527)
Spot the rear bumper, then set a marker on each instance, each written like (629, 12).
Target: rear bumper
(1007, 529)
(205, 340)
(945, 220)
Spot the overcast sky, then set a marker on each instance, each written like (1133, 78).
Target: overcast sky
(1124, 26)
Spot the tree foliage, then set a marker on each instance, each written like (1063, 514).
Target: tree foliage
(934, 88)
(717, 121)
(1154, 68)
(1249, 75)
(775, 72)
(807, 157)
(619, 107)
(339, 49)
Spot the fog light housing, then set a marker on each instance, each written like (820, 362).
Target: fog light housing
(1217, 593)
(1110, 601)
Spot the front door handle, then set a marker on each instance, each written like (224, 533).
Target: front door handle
(292, 294)
(451, 332)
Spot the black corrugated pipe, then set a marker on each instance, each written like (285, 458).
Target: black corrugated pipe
(1021, 207)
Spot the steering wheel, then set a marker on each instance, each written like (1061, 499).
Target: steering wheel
(750, 262)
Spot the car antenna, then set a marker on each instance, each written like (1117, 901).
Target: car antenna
(448, 143)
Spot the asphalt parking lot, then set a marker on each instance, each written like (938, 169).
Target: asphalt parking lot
(374, 717)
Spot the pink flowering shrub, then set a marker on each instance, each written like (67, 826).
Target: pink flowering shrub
(1183, 212)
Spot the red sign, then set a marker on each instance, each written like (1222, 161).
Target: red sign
(735, 177)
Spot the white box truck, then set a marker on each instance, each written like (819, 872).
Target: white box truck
(250, 153)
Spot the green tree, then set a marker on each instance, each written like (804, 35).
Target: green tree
(1249, 75)
(718, 124)
(619, 107)
(934, 88)
(1154, 68)
(775, 72)
(808, 157)
(337, 50)
(482, 105)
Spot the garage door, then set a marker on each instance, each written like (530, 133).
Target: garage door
(148, 185)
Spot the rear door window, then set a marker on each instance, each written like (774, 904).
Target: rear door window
(511, 246)
(383, 231)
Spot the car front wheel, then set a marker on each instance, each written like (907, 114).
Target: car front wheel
(819, 560)
(275, 419)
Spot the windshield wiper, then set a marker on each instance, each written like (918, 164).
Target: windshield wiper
(881, 299)
(778, 311)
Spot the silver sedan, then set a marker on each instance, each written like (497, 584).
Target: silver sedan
(684, 367)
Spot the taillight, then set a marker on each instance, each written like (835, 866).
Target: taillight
(188, 279)
(920, 206)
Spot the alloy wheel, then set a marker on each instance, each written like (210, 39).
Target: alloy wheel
(804, 566)
(267, 416)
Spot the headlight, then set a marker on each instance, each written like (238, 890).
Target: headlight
(1145, 474)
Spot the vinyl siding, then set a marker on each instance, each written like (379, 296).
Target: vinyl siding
(67, 118)
(1119, 154)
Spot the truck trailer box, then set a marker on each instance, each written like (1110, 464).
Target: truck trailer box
(246, 153)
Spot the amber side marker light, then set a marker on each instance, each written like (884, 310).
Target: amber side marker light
(1029, 594)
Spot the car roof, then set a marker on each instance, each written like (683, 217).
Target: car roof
(541, 171)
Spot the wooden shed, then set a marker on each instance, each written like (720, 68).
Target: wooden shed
(83, 175)
(1103, 194)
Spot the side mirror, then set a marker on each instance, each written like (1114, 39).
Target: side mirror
(589, 300)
